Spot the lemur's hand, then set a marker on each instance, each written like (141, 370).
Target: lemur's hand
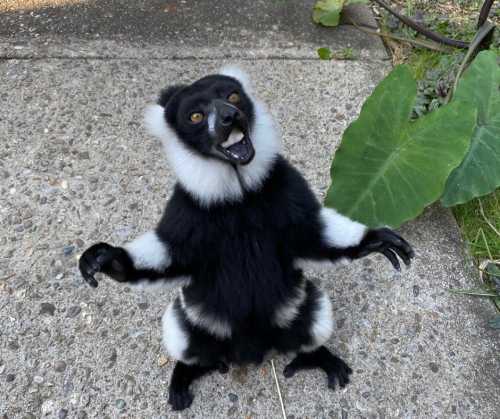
(389, 243)
(102, 257)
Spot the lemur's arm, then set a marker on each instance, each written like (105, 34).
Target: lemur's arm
(332, 236)
(146, 258)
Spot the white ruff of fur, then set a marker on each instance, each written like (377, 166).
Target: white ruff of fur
(211, 181)
(340, 231)
(322, 327)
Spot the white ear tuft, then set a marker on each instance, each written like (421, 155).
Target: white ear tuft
(155, 121)
(238, 74)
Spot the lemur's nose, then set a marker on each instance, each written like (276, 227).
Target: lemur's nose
(226, 113)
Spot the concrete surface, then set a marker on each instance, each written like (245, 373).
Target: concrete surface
(76, 166)
(175, 29)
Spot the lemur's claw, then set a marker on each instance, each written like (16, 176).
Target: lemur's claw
(390, 244)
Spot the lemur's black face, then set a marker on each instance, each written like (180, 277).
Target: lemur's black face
(214, 117)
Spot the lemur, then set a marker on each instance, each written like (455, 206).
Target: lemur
(238, 224)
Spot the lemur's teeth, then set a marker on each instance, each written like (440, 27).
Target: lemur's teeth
(234, 137)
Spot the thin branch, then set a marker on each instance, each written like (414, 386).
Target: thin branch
(485, 12)
(424, 31)
(420, 43)
(279, 390)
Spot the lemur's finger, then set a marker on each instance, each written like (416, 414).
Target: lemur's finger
(88, 270)
(399, 242)
(403, 255)
(389, 254)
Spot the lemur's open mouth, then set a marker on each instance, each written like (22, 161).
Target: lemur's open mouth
(238, 147)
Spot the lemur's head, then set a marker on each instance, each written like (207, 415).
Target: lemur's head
(219, 140)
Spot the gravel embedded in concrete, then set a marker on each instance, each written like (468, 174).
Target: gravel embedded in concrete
(78, 167)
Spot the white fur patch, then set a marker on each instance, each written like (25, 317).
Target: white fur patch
(174, 338)
(238, 74)
(322, 327)
(198, 317)
(209, 180)
(170, 283)
(287, 312)
(211, 122)
(149, 252)
(339, 230)
(320, 265)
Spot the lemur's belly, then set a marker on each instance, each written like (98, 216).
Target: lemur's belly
(193, 335)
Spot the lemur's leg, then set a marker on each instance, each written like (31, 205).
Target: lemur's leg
(310, 325)
(145, 258)
(197, 353)
(179, 396)
(335, 368)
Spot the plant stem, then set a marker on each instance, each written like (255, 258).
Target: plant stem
(484, 13)
(424, 31)
(420, 43)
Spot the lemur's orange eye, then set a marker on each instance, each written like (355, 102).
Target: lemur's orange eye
(196, 117)
(234, 98)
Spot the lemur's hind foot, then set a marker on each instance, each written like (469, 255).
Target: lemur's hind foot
(336, 369)
(179, 396)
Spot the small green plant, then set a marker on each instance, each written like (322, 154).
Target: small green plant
(343, 54)
(490, 273)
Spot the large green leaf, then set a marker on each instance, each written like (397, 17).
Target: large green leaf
(387, 168)
(479, 172)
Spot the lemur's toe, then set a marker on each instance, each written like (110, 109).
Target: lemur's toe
(180, 399)
(289, 371)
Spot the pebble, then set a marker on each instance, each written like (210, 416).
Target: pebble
(63, 413)
(60, 366)
(47, 308)
(38, 379)
(233, 397)
(120, 404)
(68, 250)
(434, 367)
(112, 357)
(10, 377)
(13, 345)
(416, 290)
(82, 415)
(162, 361)
(80, 243)
(73, 311)
(29, 416)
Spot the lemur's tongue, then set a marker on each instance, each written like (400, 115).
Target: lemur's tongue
(238, 147)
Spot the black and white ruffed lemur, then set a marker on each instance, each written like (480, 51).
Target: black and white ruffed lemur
(238, 224)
